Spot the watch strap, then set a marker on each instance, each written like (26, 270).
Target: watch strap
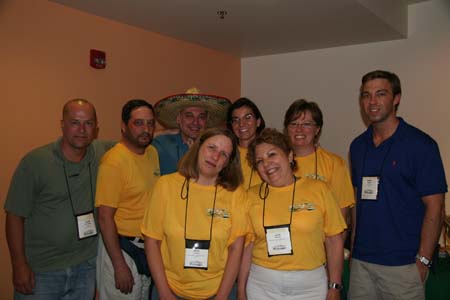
(425, 261)
(334, 285)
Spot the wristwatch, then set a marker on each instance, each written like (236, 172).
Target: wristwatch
(424, 260)
(334, 285)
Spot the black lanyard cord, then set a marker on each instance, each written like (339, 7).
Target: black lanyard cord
(68, 187)
(186, 184)
(266, 194)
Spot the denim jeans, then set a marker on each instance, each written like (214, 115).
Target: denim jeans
(74, 283)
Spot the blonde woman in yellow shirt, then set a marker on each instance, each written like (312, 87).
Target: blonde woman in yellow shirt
(245, 120)
(292, 220)
(303, 124)
(195, 224)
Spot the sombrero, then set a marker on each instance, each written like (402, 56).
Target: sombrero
(167, 109)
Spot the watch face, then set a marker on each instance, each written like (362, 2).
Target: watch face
(424, 260)
(333, 285)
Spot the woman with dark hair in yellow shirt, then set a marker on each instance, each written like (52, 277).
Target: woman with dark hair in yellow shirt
(292, 220)
(195, 223)
(246, 122)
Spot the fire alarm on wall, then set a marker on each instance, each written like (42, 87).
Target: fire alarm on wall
(98, 59)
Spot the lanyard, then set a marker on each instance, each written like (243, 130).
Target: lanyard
(266, 194)
(186, 183)
(68, 186)
(315, 155)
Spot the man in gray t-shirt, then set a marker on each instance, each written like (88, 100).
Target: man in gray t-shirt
(50, 225)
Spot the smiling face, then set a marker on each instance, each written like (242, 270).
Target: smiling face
(191, 121)
(213, 156)
(378, 101)
(244, 125)
(273, 165)
(302, 132)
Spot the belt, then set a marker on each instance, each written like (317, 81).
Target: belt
(134, 239)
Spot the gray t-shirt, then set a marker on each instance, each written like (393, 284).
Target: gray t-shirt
(49, 191)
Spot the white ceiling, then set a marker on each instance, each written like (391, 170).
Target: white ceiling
(260, 27)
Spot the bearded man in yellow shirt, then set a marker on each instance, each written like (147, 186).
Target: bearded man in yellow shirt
(125, 181)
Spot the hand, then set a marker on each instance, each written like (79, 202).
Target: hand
(423, 270)
(124, 279)
(333, 294)
(23, 279)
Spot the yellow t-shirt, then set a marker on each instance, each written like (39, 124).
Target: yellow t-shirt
(251, 177)
(331, 169)
(125, 181)
(165, 220)
(315, 215)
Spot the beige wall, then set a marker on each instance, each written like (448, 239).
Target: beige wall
(332, 77)
(44, 51)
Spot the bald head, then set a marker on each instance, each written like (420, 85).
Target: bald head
(79, 126)
(76, 104)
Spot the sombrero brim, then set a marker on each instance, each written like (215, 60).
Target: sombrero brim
(167, 109)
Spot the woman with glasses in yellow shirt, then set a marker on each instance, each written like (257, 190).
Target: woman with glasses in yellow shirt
(303, 124)
(245, 120)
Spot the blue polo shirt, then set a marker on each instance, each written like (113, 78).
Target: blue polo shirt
(171, 149)
(410, 167)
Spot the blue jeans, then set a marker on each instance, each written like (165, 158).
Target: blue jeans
(74, 283)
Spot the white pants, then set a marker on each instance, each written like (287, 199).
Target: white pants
(265, 284)
(106, 283)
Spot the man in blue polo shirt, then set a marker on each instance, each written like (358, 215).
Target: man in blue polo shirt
(400, 186)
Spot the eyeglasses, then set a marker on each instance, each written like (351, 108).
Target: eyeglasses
(247, 119)
(304, 125)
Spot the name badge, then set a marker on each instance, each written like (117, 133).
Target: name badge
(86, 225)
(196, 254)
(369, 190)
(278, 240)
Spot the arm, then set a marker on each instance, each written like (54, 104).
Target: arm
(231, 268)
(23, 276)
(335, 260)
(353, 221)
(244, 270)
(122, 273)
(345, 211)
(431, 229)
(154, 259)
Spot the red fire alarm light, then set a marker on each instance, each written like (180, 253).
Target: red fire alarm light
(98, 59)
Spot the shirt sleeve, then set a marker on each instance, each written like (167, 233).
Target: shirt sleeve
(109, 182)
(430, 171)
(333, 221)
(152, 224)
(341, 184)
(22, 189)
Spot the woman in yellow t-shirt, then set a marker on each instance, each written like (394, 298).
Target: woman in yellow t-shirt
(303, 123)
(292, 220)
(245, 120)
(195, 223)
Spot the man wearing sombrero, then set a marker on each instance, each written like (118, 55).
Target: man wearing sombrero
(191, 113)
